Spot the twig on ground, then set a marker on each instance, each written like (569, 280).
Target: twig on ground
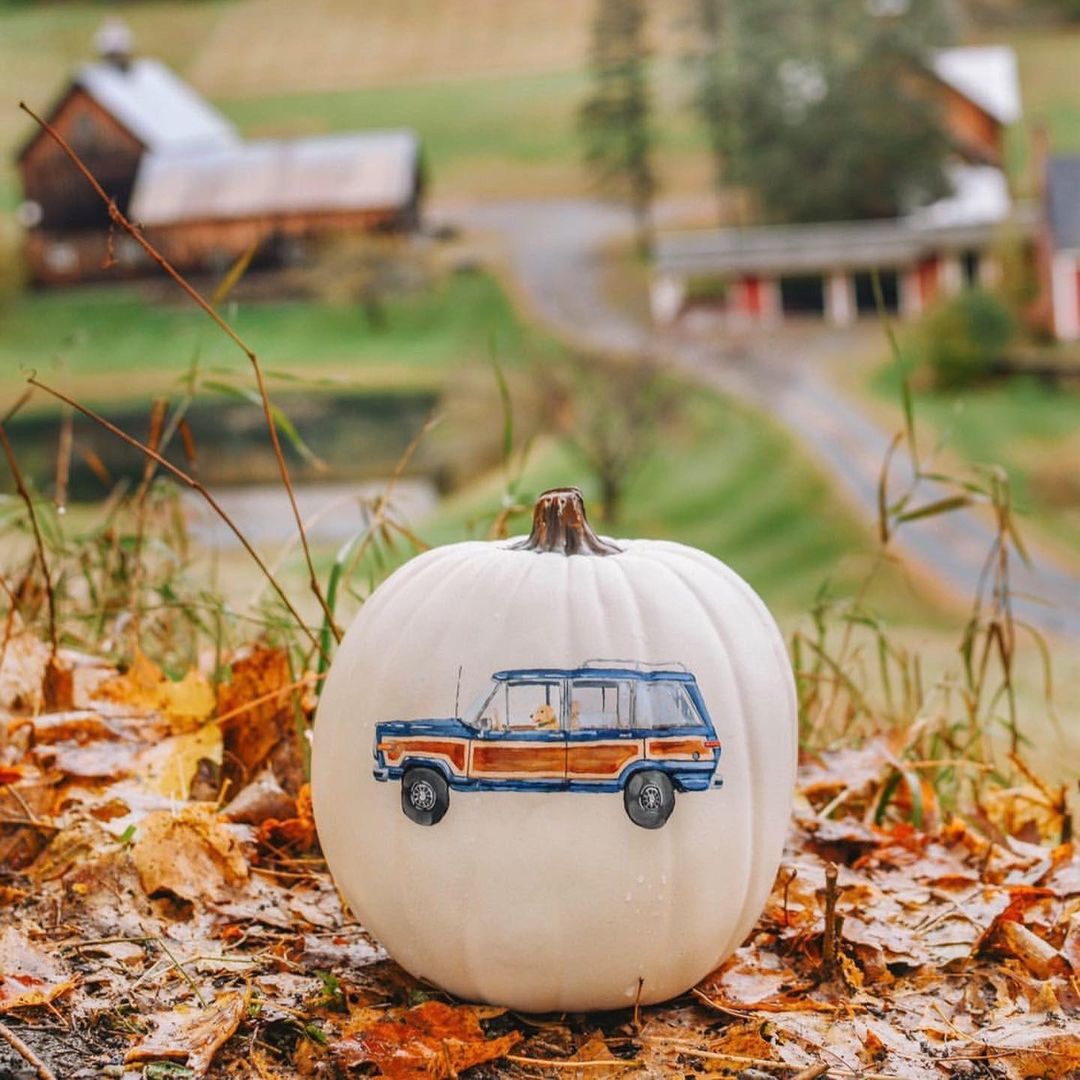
(549, 1063)
(828, 945)
(118, 218)
(24, 1051)
(195, 485)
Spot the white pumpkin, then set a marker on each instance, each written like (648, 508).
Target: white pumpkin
(513, 886)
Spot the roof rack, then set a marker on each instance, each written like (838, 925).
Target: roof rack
(637, 665)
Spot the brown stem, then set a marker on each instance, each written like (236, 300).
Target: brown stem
(118, 218)
(39, 542)
(559, 525)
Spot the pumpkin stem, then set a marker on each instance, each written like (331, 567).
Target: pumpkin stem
(559, 525)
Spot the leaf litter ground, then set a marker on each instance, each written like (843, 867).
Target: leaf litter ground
(164, 914)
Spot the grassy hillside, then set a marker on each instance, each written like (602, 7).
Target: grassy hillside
(1029, 428)
(727, 481)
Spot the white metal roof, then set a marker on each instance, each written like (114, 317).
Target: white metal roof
(366, 171)
(985, 74)
(156, 106)
(980, 195)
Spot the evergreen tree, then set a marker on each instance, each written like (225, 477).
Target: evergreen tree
(615, 118)
(821, 108)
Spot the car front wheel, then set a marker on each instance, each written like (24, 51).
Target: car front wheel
(649, 797)
(425, 795)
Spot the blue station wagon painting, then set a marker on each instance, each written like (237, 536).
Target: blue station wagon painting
(606, 726)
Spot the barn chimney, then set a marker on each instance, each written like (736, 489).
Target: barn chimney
(115, 42)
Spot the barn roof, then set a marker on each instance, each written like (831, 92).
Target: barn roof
(984, 74)
(1063, 197)
(366, 171)
(978, 194)
(155, 105)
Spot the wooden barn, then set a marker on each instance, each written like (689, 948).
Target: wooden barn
(176, 166)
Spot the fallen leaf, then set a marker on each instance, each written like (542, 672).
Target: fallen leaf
(170, 767)
(191, 854)
(145, 686)
(29, 800)
(296, 833)
(749, 979)
(189, 1035)
(1038, 956)
(28, 976)
(22, 672)
(263, 798)
(257, 716)
(433, 1041)
(603, 1062)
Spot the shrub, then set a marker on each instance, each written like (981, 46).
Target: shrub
(964, 338)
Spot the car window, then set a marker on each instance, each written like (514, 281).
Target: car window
(534, 706)
(599, 703)
(663, 705)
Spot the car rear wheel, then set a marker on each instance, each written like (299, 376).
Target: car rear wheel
(649, 797)
(425, 795)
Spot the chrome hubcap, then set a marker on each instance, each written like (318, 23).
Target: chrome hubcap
(651, 797)
(422, 795)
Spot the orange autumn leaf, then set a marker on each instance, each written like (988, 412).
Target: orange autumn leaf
(191, 854)
(297, 833)
(433, 1041)
(256, 709)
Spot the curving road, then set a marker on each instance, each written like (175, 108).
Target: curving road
(554, 252)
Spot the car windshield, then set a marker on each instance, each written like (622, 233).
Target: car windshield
(480, 712)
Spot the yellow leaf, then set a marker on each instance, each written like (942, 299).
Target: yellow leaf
(172, 764)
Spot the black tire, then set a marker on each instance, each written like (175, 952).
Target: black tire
(425, 795)
(649, 797)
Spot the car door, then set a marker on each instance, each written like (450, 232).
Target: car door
(523, 742)
(600, 740)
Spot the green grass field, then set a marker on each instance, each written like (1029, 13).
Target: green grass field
(1048, 59)
(112, 342)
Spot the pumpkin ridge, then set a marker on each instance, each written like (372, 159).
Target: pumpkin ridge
(754, 823)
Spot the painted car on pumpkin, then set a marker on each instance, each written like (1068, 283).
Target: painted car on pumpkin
(606, 726)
